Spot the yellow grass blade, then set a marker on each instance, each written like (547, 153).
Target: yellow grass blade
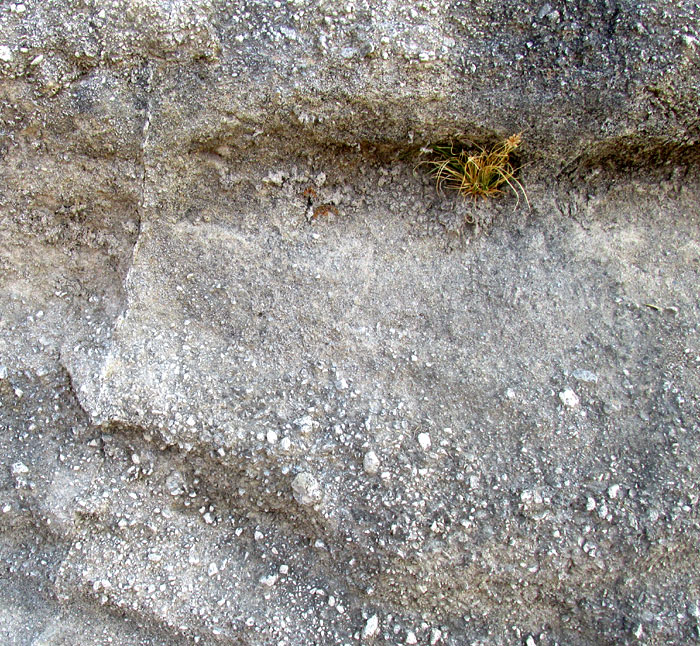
(476, 174)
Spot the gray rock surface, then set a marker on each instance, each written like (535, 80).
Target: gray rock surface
(260, 383)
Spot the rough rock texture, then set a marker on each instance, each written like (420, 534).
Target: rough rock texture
(261, 384)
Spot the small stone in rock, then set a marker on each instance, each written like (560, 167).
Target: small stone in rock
(585, 375)
(275, 177)
(305, 424)
(424, 441)
(546, 9)
(306, 489)
(19, 469)
(371, 627)
(371, 463)
(175, 484)
(569, 398)
(614, 491)
(269, 580)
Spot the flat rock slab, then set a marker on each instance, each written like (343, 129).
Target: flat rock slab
(280, 351)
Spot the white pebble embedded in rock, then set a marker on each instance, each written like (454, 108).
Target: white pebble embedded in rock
(269, 580)
(306, 489)
(19, 469)
(424, 441)
(371, 463)
(275, 177)
(371, 627)
(569, 398)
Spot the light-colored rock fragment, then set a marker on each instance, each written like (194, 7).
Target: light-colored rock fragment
(371, 627)
(585, 375)
(424, 441)
(175, 483)
(276, 178)
(269, 580)
(371, 463)
(305, 424)
(306, 488)
(569, 398)
(19, 469)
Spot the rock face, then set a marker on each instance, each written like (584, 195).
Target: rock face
(261, 384)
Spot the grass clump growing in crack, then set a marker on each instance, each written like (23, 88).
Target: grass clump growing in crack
(473, 171)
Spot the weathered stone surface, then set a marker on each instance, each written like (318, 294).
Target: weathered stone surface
(259, 383)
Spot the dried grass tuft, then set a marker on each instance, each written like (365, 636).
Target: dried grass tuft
(473, 171)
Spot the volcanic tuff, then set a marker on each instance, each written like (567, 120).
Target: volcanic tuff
(262, 384)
